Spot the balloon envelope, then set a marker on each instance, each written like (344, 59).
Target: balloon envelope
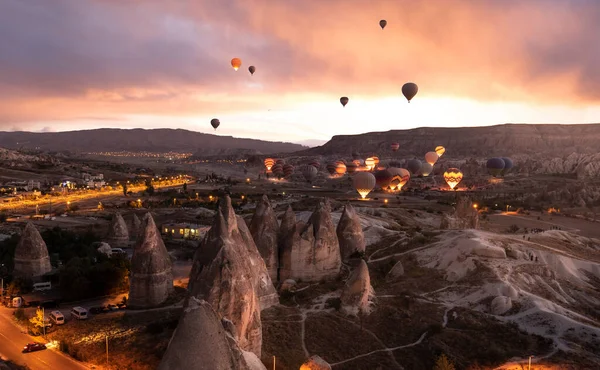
(309, 172)
(440, 150)
(395, 147)
(508, 165)
(426, 169)
(363, 183)
(383, 178)
(413, 165)
(252, 69)
(340, 168)
(382, 23)
(431, 157)
(409, 90)
(351, 167)
(215, 123)
(344, 100)
(269, 162)
(453, 176)
(236, 63)
(400, 176)
(495, 166)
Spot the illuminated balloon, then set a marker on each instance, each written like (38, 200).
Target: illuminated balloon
(357, 162)
(453, 176)
(236, 63)
(252, 69)
(363, 183)
(508, 165)
(309, 172)
(344, 100)
(215, 123)
(351, 167)
(376, 159)
(431, 157)
(269, 162)
(400, 177)
(394, 147)
(409, 90)
(414, 166)
(340, 168)
(495, 166)
(426, 169)
(440, 150)
(382, 23)
(372, 162)
(383, 178)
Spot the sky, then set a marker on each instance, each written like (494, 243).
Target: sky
(83, 64)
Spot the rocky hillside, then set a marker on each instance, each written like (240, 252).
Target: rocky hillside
(157, 140)
(500, 140)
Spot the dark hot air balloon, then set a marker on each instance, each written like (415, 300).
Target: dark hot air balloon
(395, 147)
(414, 166)
(288, 170)
(382, 23)
(409, 90)
(331, 168)
(508, 165)
(495, 166)
(383, 178)
(252, 69)
(315, 164)
(344, 100)
(309, 172)
(351, 167)
(215, 123)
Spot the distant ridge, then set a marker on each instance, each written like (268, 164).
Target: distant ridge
(499, 140)
(152, 140)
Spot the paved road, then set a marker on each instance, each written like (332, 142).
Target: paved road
(12, 341)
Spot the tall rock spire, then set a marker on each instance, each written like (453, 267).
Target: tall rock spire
(31, 254)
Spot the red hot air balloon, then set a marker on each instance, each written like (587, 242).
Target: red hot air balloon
(215, 123)
(395, 147)
(344, 100)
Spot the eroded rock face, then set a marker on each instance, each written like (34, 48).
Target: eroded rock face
(105, 248)
(315, 363)
(396, 272)
(118, 235)
(464, 216)
(264, 229)
(199, 342)
(350, 234)
(31, 255)
(229, 273)
(357, 293)
(310, 252)
(500, 305)
(151, 279)
(136, 226)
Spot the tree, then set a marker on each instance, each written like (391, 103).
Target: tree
(443, 363)
(185, 187)
(38, 320)
(124, 189)
(149, 187)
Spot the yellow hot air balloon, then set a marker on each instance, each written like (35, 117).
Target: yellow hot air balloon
(440, 150)
(363, 183)
(452, 177)
(269, 162)
(370, 163)
(236, 63)
(431, 157)
(340, 168)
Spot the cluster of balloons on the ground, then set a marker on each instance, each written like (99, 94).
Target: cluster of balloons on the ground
(409, 89)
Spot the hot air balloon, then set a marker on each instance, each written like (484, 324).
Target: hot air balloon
(344, 100)
(508, 165)
(331, 168)
(382, 23)
(426, 169)
(383, 178)
(452, 177)
(394, 147)
(309, 172)
(431, 157)
(357, 162)
(215, 123)
(288, 170)
(400, 177)
(269, 162)
(351, 167)
(355, 155)
(252, 69)
(315, 164)
(277, 170)
(280, 161)
(409, 90)
(236, 63)
(440, 150)
(340, 168)
(414, 166)
(495, 166)
(363, 183)
(370, 162)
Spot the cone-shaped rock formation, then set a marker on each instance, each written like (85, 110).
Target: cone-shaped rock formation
(118, 235)
(357, 292)
(200, 342)
(315, 363)
(311, 251)
(31, 255)
(350, 234)
(151, 279)
(264, 229)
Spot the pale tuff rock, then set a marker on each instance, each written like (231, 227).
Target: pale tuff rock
(288, 224)
(357, 292)
(500, 305)
(464, 216)
(315, 363)
(246, 360)
(229, 273)
(31, 254)
(350, 234)
(136, 226)
(310, 252)
(118, 235)
(200, 342)
(105, 248)
(264, 229)
(396, 272)
(151, 279)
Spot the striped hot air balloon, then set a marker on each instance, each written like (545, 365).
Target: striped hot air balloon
(400, 177)
(395, 147)
(269, 162)
(453, 176)
(340, 168)
(288, 170)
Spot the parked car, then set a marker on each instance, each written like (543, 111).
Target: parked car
(32, 347)
(112, 307)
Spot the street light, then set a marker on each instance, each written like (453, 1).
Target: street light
(529, 367)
